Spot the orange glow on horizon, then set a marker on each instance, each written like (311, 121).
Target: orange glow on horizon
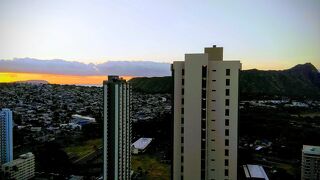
(54, 78)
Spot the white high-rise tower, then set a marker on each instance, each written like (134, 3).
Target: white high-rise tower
(205, 116)
(117, 129)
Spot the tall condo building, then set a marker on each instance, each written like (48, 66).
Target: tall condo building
(310, 163)
(117, 129)
(6, 148)
(205, 123)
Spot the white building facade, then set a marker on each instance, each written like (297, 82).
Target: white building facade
(6, 136)
(310, 163)
(205, 123)
(22, 168)
(117, 129)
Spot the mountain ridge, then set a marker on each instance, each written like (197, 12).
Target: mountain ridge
(33, 82)
(302, 80)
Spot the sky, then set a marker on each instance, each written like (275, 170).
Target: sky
(264, 34)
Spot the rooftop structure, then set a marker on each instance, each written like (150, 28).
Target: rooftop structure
(254, 172)
(141, 144)
(311, 150)
(82, 120)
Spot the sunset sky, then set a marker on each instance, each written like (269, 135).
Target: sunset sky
(266, 34)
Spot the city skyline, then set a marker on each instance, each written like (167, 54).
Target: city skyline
(269, 35)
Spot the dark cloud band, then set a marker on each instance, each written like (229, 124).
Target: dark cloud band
(58, 66)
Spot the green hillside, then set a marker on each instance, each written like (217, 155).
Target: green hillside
(300, 81)
(152, 84)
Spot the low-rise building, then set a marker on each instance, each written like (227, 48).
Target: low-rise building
(254, 172)
(82, 120)
(141, 145)
(22, 168)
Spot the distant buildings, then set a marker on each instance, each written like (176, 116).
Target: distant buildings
(6, 137)
(254, 172)
(310, 163)
(205, 126)
(117, 129)
(22, 168)
(141, 145)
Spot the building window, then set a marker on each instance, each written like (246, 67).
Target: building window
(204, 83)
(182, 110)
(182, 81)
(203, 123)
(226, 162)
(226, 152)
(182, 130)
(182, 140)
(227, 122)
(203, 134)
(226, 142)
(182, 91)
(181, 149)
(203, 113)
(227, 112)
(203, 174)
(227, 72)
(203, 93)
(227, 82)
(203, 103)
(182, 161)
(182, 72)
(226, 132)
(227, 102)
(227, 92)
(226, 172)
(204, 71)
(181, 166)
(182, 120)
(182, 101)
(203, 145)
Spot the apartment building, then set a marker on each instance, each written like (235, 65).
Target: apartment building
(22, 168)
(205, 123)
(310, 163)
(6, 136)
(117, 129)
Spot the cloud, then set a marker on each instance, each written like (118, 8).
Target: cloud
(58, 66)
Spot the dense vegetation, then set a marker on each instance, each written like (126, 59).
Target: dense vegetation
(152, 85)
(299, 81)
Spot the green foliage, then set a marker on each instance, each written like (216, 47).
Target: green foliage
(152, 85)
(299, 81)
